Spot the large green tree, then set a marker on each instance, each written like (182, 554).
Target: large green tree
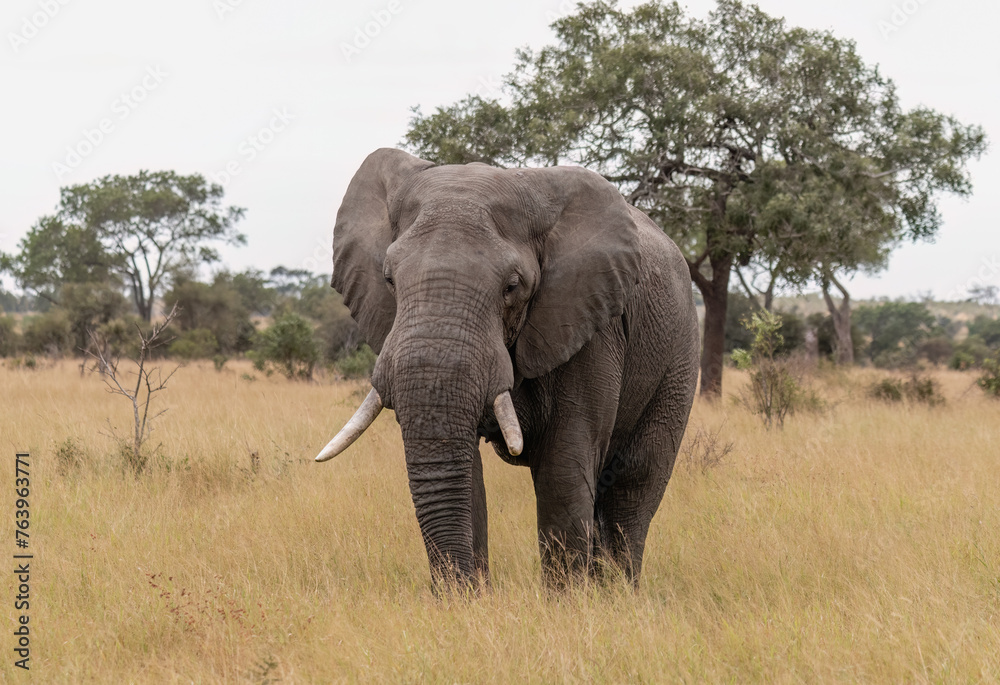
(745, 138)
(134, 230)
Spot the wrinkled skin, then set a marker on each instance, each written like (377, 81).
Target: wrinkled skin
(470, 281)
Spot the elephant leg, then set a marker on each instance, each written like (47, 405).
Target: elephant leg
(480, 522)
(631, 486)
(584, 395)
(565, 506)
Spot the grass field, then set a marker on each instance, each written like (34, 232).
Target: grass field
(860, 544)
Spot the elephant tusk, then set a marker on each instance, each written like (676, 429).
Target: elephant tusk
(359, 423)
(503, 407)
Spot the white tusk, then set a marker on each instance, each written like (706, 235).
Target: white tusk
(359, 423)
(503, 407)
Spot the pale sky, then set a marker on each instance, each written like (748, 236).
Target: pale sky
(293, 95)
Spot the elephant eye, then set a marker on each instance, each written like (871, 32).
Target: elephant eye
(512, 284)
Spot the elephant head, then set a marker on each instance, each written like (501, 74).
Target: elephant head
(468, 279)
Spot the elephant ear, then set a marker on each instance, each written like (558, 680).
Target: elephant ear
(361, 236)
(590, 262)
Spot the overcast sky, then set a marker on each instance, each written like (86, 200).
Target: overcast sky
(292, 95)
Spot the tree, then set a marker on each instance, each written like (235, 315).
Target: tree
(895, 329)
(54, 254)
(985, 294)
(734, 133)
(216, 308)
(133, 230)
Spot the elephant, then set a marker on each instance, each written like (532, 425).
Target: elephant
(534, 308)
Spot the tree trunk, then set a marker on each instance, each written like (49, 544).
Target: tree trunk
(715, 293)
(843, 343)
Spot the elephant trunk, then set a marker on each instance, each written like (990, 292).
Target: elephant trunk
(440, 382)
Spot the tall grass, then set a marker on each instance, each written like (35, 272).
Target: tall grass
(859, 544)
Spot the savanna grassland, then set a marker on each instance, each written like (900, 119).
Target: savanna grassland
(859, 544)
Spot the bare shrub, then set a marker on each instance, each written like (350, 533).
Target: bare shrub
(706, 449)
(147, 382)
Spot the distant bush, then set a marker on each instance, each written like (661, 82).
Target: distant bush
(357, 364)
(916, 388)
(199, 343)
(987, 329)
(969, 354)
(217, 308)
(49, 333)
(88, 307)
(937, 349)
(289, 345)
(989, 381)
(895, 330)
(10, 339)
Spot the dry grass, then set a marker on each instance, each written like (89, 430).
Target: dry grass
(859, 545)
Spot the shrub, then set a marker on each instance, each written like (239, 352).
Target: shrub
(217, 308)
(740, 308)
(969, 354)
(895, 328)
(773, 388)
(936, 350)
(48, 333)
(88, 307)
(989, 381)
(69, 455)
(357, 364)
(10, 339)
(289, 345)
(198, 343)
(916, 388)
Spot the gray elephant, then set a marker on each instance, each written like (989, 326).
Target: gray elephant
(534, 308)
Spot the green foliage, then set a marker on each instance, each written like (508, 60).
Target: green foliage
(746, 139)
(741, 308)
(289, 345)
(57, 251)
(218, 308)
(10, 339)
(198, 343)
(336, 332)
(915, 388)
(969, 354)
(132, 230)
(773, 389)
(50, 333)
(118, 337)
(256, 295)
(988, 330)
(989, 381)
(895, 330)
(357, 364)
(88, 306)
